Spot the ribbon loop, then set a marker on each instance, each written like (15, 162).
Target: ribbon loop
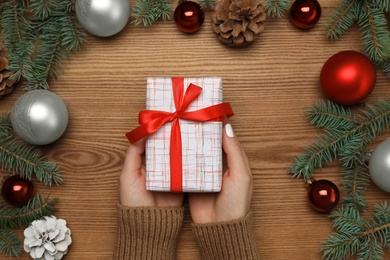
(152, 120)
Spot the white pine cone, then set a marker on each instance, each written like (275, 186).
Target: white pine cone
(47, 239)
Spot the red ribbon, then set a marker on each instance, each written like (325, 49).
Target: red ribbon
(152, 120)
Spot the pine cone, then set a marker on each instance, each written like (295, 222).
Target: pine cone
(47, 238)
(238, 22)
(6, 85)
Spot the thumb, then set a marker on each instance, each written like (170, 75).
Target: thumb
(133, 160)
(236, 159)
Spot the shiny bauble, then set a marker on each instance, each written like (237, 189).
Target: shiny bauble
(348, 77)
(323, 195)
(305, 14)
(189, 16)
(39, 117)
(379, 165)
(17, 191)
(103, 17)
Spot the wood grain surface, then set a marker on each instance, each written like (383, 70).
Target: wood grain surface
(269, 85)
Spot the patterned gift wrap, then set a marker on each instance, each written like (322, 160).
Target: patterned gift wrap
(201, 141)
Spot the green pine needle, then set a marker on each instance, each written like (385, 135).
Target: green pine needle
(38, 35)
(326, 114)
(346, 136)
(386, 67)
(276, 8)
(318, 154)
(341, 19)
(5, 125)
(148, 12)
(207, 4)
(376, 119)
(16, 33)
(26, 160)
(355, 180)
(374, 32)
(382, 4)
(36, 208)
(10, 244)
(71, 39)
(356, 236)
(42, 8)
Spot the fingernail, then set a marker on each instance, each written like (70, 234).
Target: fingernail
(229, 130)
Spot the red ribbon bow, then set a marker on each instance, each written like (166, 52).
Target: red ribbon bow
(152, 120)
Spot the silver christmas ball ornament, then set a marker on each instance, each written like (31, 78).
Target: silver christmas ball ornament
(103, 17)
(379, 165)
(39, 117)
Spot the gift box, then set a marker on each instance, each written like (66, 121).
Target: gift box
(183, 122)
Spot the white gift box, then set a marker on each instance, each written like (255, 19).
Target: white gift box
(201, 141)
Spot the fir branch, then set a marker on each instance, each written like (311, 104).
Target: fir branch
(383, 5)
(163, 9)
(36, 208)
(49, 56)
(328, 115)
(348, 220)
(10, 244)
(5, 125)
(347, 139)
(37, 43)
(385, 65)
(207, 4)
(149, 11)
(17, 42)
(355, 180)
(42, 8)
(340, 246)
(354, 235)
(370, 249)
(354, 146)
(276, 8)
(72, 38)
(374, 32)
(341, 19)
(376, 118)
(321, 153)
(26, 160)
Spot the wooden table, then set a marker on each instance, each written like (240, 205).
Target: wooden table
(269, 85)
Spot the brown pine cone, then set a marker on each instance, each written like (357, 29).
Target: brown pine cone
(238, 22)
(6, 85)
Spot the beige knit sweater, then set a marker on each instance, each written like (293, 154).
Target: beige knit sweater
(151, 233)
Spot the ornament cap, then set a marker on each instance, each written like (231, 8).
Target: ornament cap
(309, 182)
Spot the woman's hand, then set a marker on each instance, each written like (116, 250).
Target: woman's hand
(132, 183)
(234, 200)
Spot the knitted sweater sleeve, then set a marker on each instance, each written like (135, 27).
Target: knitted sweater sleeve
(230, 240)
(147, 232)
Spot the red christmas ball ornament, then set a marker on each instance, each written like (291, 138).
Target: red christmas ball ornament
(189, 16)
(305, 13)
(17, 191)
(348, 77)
(323, 195)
